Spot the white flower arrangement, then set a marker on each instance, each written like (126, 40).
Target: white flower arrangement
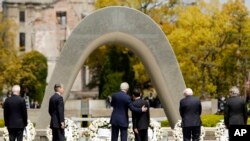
(92, 131)
(155, 132)
(71, 131)
(29, 133)
(221, 133)
(177, 132)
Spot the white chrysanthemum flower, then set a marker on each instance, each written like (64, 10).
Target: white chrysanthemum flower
(220, 131)
(28, 134)
(71, 131)
(155, 132)
(177, 132)
(92, 131)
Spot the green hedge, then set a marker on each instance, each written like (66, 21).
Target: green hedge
(211, 120)
(207, 120)
(1, 123)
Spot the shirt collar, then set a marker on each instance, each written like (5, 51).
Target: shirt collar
(58, 93)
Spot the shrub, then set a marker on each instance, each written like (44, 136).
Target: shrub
(211, 120)
(34, 65)
(1, 123)
(207, 120)
(165, 123)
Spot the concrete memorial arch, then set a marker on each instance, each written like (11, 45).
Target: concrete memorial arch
(136, 31)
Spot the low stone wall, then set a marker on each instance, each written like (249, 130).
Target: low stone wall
(41, 134)
(97, 108)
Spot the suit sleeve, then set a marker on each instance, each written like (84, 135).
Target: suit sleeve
(181, 109)
(226, 115)
(200, 108)
(49, 109)
(112, 101)
(134, 119)
(6, 114)
(25, 115)
(133, 108)
(61, 109)
(148, 112)
(245, 113)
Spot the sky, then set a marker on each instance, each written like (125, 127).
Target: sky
(248, 4)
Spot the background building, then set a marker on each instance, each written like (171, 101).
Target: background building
(44, 25)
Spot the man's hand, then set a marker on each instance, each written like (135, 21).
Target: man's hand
(136, 130)
(62, 125)
(144, 108)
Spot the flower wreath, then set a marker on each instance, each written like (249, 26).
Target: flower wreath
(92, 130)
(154, 131)
(29, 132)
(177, 133)
(220, 131)
(71, 131)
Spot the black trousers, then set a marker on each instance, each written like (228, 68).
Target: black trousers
(58, 134)
(115, 132)
(191, 132)
(142, 135)
(15, 134)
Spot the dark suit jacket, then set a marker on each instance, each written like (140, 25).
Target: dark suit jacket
(120, 103)
(56, 110)
(140, 120)
(15, 112)
(235, 111)
(190, 111)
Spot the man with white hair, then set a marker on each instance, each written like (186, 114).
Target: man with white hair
(235, 109)
(120, 102)
(15, 114)
(190, 111)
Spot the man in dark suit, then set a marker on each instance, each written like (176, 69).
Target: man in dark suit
(190, 111)
(120, 102)
(15, 114)
(235, 109)
(140, 120)
(56, 111)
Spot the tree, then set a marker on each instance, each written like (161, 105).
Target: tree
(34, 66)
(28, 69)
(105, 3)
(115, 68)
(206, 48)
(134, 71)
(212, 50)
(9, 62)
(238, 38)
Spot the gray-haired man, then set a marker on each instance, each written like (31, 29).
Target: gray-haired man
(120, 102)
(235, 109)
(190, 111)
(15, 114)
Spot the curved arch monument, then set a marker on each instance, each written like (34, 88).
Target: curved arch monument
(136, 31)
